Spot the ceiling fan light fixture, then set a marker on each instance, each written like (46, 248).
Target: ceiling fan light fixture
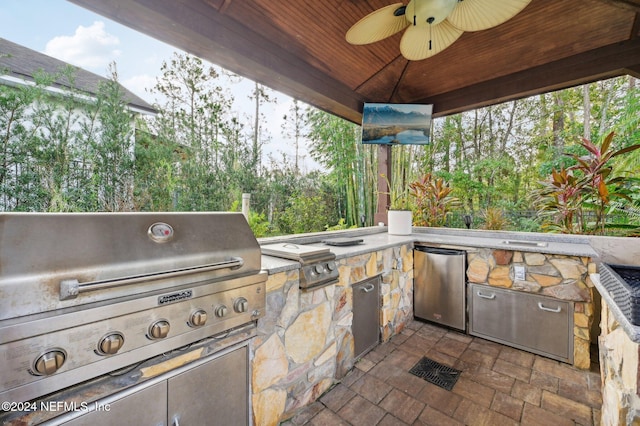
(424, 11)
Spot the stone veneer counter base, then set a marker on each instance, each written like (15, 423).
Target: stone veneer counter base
(305, 344)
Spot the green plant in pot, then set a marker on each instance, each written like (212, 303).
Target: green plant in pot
(398, 195)
(399, 214)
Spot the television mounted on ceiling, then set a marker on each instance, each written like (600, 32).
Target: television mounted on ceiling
(396, 124)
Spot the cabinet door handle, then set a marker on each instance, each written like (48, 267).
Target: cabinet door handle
(176, 420)
(486, 296)
(369, 288)
(544, 308)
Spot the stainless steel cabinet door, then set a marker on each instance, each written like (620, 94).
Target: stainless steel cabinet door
(366, 308)
(146, 407)
(214, 393)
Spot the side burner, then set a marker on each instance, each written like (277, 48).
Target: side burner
(318, 265)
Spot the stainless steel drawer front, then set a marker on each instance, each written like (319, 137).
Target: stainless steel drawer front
(539, 324)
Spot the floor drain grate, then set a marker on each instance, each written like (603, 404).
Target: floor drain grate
(436, 373)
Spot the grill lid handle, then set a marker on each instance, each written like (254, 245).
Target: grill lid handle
(69, 289)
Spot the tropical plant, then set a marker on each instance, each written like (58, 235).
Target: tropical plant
(559, 203)
(432, 200)
(590, 184)
(257, 221)
(494, 219)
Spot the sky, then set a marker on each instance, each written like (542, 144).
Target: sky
(80, 37)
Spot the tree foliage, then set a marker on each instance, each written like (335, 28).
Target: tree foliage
(63, 152)
(351, 165)
(591, 183)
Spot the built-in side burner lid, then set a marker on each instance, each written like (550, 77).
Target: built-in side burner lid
(295, 251)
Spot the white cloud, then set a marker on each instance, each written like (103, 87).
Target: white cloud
(90, 47)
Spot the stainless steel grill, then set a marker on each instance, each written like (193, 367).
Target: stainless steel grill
(82, 295)
(318, 266)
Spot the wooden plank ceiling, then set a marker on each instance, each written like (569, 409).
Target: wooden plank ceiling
(298, 48)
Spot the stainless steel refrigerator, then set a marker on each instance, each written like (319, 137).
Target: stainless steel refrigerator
(439, 286)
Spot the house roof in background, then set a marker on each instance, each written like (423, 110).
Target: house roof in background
(299, 48)
(23, 63)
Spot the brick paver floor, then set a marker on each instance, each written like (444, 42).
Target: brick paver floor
(499, 385)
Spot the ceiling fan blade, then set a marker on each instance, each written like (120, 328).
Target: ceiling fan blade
(378, 25)
(422, 42)
(476, 15)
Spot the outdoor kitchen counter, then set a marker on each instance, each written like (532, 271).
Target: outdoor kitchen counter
(515, 241)
(312, 330)
(376, 238)
(573, 254)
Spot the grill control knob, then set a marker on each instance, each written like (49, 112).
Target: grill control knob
(159, 329)
(331, 266)
(49, 362)
(110, 344)
(221, 311)
(319, 269)
(198, 318)
(241, 305)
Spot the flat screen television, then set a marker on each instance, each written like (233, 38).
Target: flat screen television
(396, 124)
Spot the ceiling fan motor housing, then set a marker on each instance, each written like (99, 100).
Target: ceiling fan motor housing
(429, 12)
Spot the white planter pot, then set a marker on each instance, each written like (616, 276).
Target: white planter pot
(399, 222)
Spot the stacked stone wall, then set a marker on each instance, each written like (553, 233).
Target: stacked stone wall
(620, 373)
(305, 340)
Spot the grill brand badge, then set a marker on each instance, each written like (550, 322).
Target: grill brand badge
(165, 299)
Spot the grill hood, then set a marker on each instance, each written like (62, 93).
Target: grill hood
(51, 261)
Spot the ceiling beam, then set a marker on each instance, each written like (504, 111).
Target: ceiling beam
(606, 62)
(634, 71)
(257, 49)
(626, 4)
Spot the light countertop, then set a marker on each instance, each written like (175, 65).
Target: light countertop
(378, 239)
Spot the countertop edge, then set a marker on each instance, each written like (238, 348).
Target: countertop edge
(631, 330)
(382, 240)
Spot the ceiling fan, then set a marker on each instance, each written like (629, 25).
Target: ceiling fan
(431, 25)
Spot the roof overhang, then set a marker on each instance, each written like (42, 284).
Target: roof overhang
(299, 48)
